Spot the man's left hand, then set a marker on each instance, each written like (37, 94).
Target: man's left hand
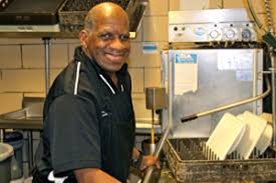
(149, 160)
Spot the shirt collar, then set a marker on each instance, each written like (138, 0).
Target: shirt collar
(82, 57)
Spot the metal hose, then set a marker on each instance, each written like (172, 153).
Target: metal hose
(229, 106)
(269, 15)
(269, 38)
(256, 19)
(272, 59)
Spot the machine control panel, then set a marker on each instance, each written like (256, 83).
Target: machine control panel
(212, 32)
(211, 25)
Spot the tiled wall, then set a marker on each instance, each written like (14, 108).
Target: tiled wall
(22, 60)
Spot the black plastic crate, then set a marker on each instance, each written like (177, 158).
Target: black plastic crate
(190, 162)
(73, 12)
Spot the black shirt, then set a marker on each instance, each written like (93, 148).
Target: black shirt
(88, 121)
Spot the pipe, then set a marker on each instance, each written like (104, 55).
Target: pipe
(269, 15)
(197, 115)
(271, 30)
(256, 19)
(148, 178)
(47, 63)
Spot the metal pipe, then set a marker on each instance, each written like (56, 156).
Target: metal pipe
(273, 70)
(272, 60)
(256, 19)
(30, 149)
(149, 171)
(47, 63)
(197, 115)
(269, 15)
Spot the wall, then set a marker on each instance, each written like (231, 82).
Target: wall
(22, 60)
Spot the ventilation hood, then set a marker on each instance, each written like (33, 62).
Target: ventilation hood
(58, 18)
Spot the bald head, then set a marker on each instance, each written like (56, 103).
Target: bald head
(103, 12)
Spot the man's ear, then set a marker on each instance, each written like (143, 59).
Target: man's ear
(83, 36)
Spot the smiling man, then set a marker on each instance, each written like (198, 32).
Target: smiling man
(89, 125)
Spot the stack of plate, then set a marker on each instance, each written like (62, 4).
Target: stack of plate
(226, 135)
(255, 127)
(240, 133)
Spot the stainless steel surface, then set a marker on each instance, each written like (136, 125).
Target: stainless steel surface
(211, 25)
(143, 127)
(27, 118)
(235, 104)
(209, 16)
(31, 12)
(155, 98)
(216, 86)
(29, 28)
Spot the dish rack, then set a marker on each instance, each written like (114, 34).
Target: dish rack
(191, 161)
(72, 13)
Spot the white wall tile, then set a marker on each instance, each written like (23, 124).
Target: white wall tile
(10, 56)
(152, 77)
(72, 50)
(31, 94)
(157, 7)
(53, 74)
(138, 58)
(174, 5)
(59, 54)
(23, 80)
(155, 28)
(10, 102)
(33, 56)
(139, 103)
(138, 37)
(137, 75)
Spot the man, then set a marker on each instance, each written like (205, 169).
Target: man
(89, 126)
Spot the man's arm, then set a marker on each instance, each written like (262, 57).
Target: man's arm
(93, 175)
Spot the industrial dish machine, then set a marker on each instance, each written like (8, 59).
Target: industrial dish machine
(225, 65)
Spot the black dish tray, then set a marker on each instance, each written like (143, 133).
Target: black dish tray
(188, 160)
(73, 12)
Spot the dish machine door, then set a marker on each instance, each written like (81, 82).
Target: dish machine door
(203, 79)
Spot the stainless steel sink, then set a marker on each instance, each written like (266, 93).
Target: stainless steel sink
(28, 118)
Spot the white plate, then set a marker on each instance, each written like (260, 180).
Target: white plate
(237, 141)
(225, 135)
(266, 137)
(255, 126)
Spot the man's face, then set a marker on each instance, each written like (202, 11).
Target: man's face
(108, 43)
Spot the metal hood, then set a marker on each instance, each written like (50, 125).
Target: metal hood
(58, 18)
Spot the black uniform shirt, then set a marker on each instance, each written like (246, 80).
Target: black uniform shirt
(88, 121)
